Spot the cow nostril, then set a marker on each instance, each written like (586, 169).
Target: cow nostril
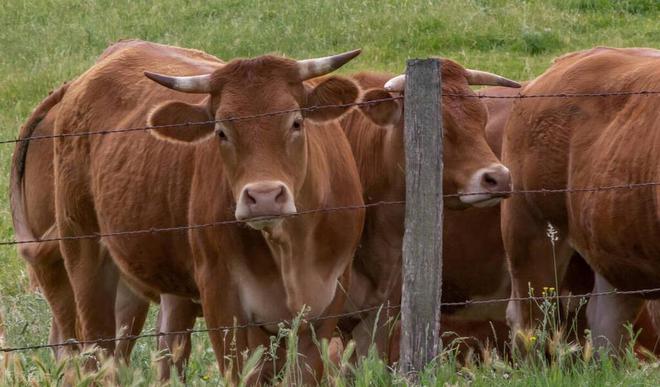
(249, 198)
(489, 180)
(281, 196)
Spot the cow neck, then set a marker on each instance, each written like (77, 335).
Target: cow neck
(379, 153)
(291, 244)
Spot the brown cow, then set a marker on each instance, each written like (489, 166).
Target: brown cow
(470, 166)
(32, 203)
(244, 170)
(581, 143)
(579, 278)
(33, 215)
(32, 189)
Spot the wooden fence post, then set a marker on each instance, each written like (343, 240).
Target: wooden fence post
(422, 242)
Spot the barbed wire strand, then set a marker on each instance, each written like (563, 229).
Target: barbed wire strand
(322, 318)
(201, 225)
(155, 230)
(315, 108)
(198, 123)
(556, 95)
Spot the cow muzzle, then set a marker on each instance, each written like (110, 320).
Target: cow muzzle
(259, 204)
(487, 186)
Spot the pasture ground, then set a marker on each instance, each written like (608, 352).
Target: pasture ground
(46, 42)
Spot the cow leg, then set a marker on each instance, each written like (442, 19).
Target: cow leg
(531, 260)
(94, 279)
(176, 314)
(307, 368)
(649, 322)
(579, 279)
(131, 312)
(91, 271)
(607, 315)
(372, 329)
(309, 336)
(47, 271)
(56, 288)
(220, 309)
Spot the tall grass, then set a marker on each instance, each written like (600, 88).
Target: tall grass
(550, 358)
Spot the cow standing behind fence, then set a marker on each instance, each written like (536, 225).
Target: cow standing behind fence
(377, 140)
(266, 166)
(579, 142)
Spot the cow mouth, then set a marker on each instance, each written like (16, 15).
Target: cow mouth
(488, 202)
(483, 200)
(264, 222)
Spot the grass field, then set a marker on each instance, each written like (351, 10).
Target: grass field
(46, 42)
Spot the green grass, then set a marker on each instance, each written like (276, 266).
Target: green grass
(46, 42)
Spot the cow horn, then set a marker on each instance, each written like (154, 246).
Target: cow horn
(397, 83)
(474, 77)
(311, 68)
(189, 84)
(478, 77)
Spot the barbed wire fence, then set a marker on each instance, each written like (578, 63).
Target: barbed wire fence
(360, 312)
(228, 328)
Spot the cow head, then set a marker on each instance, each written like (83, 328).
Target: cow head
(469, 163)
(264, 157)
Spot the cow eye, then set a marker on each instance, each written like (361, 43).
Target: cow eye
(222, 135)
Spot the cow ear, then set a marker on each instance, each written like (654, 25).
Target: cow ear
(384, 111)
(183, 122)
(330, 91)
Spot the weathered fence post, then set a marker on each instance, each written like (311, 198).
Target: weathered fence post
(422, 242)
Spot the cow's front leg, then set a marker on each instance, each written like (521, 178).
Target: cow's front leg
(374, 329)
(221, 309)
(608, 314)
(177, 314)
(313, 332)
(535, 261)
(131, 312)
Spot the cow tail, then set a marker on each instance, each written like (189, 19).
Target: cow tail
(22, 230)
